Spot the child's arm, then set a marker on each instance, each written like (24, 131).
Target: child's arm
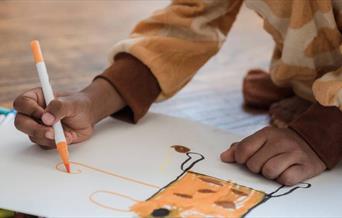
(160, 57)
(170, 47)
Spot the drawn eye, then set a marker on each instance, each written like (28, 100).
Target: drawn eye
(183, 195)
(211, 181)
(206, 191)
(226, 204)
(180, 148)
(160, 212)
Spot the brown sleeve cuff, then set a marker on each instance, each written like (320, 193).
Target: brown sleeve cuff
(135, 83)
(321, 128)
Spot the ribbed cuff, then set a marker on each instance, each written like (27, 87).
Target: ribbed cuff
(135, 83)
(321, 128)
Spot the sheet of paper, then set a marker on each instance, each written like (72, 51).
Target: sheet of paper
(124, 165)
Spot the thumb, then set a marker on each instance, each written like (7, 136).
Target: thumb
(56, 110)
(228, 155)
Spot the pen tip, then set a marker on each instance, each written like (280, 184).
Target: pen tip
(67, 167)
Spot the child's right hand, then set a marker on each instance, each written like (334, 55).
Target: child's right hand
(78, 111)
(37, 122)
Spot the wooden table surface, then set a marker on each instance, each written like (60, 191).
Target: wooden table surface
(77, 35)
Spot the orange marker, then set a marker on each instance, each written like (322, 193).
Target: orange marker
(61, 144)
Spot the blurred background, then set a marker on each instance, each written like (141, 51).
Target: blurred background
(76, 37)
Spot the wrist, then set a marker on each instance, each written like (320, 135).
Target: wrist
(104, 99)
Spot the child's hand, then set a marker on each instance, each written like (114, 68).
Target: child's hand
(278, 154)
(36, 121)
(78, 111)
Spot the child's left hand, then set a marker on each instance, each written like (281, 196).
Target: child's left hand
(278, 154)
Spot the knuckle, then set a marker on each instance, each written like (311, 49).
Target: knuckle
(251, 165)
(239, 158)
(16, 103)
(20, 102)
(242, 151)
(56, 105)
(26, 105)
(268, 171)
(37, 133)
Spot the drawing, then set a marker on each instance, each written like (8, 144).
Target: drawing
(197, 195)
(191, 194)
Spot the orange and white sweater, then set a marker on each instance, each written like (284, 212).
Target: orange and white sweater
(165, 50)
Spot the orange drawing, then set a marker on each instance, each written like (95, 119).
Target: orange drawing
(191, 194)
(197, 195)
(59, 167)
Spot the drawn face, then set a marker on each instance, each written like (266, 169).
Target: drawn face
(197, 195)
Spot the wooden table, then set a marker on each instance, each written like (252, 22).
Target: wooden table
(77, 35)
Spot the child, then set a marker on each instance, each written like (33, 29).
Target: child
(167, 49)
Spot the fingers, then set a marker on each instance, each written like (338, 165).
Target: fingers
(256, 162)
(228, 155)
(274, 167)
(294, 175)
(278, 154)
(48, 144)
(30, 107)
(30, 103)
(39, 134)
(249, 146)
(57, 110)
(44, 143)
(29, 126)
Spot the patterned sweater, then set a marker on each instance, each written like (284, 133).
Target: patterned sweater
(165, 50)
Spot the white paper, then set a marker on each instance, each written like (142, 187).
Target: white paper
(31, 184)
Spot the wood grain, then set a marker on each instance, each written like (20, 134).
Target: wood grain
(76, 37)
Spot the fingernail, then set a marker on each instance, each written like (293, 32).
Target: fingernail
(48, 118)
(49, 134)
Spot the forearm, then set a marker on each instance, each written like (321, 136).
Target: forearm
(135, 83)
(105, 100)
(178, 40)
